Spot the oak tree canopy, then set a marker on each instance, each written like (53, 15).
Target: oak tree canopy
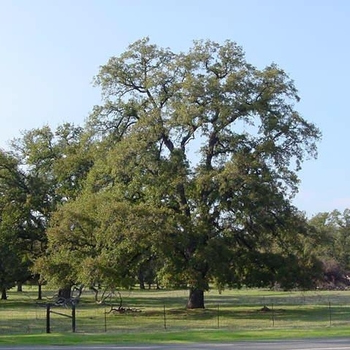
(192, 163)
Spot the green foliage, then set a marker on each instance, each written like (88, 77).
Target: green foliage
(187, 170)
(15, 228)
(194, 162)
(333, 229)
(42, 170)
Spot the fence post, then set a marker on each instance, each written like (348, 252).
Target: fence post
(164, 315)
(330, 313)
(73, 318)
(218, 316)
(47, 318)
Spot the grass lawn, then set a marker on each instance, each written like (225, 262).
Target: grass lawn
(231, 315)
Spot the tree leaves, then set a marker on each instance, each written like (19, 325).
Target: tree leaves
(190, 163)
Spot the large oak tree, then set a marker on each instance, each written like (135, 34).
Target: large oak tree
(196, 161)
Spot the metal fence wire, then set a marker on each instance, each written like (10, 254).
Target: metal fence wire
(233, 312)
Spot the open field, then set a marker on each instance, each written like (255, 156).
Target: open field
(242, 314)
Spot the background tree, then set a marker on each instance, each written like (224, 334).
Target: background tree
(14, 224)
(213, 145)
(54, 164)
(341, 221)
(333, 250)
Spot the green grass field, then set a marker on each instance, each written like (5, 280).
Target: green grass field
(231, 315)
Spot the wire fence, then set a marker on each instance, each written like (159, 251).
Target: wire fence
(234, 313)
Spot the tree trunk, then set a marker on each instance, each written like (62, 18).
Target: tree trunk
(95, 290)
(40, 294)
(141, 280)
(196, 299)
(65, 292)
(19, 287)
(3, 294)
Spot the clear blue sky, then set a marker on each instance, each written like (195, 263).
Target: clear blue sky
(51, 49)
